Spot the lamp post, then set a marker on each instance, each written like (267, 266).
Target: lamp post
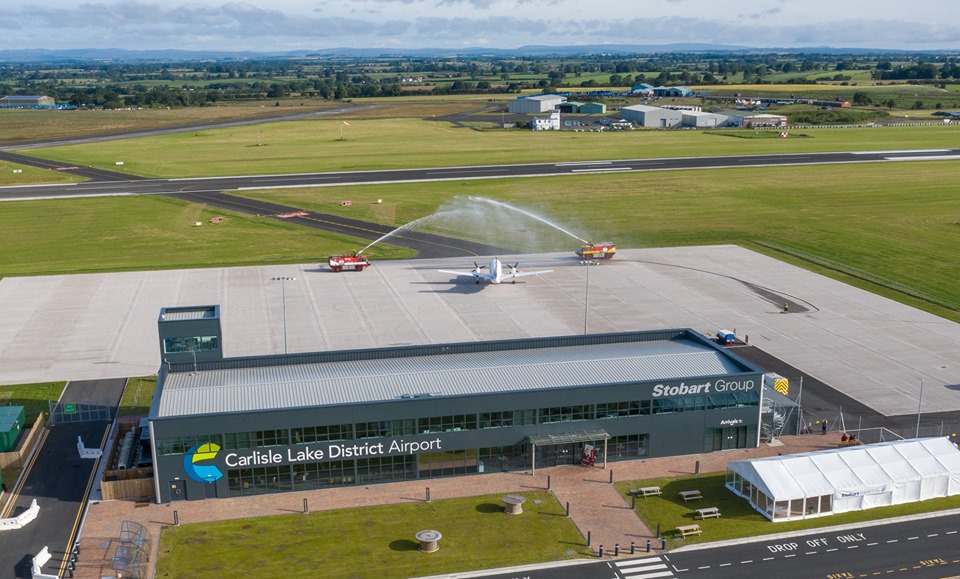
(919, 406)
(283, 279)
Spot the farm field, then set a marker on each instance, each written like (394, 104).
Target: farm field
(23, 125)
(368, 144)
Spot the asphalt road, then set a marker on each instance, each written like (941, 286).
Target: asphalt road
(333, 179)
(921, 548)
(61, 482)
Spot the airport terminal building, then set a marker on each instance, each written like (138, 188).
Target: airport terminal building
(226, 427)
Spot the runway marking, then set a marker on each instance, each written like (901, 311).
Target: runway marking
(912, 538)
(934, 535)
(872, 544)
(951, 532)
(893, 540)
(602, 170)
(747, 561)
(832, 550)
(900, 152)
(579, 163)
(768, 558)
(925, 158)
(810, 553)
(460, 171)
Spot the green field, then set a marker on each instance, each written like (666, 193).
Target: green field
(394, 143)
(33, 397)
(137, 396)
(375, 542)
(738, 519)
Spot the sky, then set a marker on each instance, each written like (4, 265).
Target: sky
(282, 25)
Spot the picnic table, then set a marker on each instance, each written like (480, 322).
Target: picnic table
(685, 530)
(690, 495)
(646, 491)
(708, 512)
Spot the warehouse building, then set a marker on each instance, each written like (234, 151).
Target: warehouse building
(27, 101)
(703, 120)
(535, 104)
(238, 426)
(593, 109)
(647, 116)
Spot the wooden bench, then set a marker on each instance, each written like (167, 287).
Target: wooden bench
(708, 512)
(690, 495)
(646, 491)
(688, 530)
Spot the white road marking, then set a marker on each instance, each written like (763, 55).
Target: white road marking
(894, 152)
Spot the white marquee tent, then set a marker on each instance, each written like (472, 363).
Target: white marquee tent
(815, 484)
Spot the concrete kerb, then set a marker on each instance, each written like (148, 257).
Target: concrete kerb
(518, 569)
(837, 528)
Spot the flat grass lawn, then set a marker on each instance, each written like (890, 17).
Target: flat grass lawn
(375, 542)
(32, 175)
(738, 518)
(151, 232)
(137, 395)
(25, 125)
(397, 143)
(33, 397)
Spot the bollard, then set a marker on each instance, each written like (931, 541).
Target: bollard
(746, 339)
(548, 482)
(568, 508)
(663, 543)
(600, 552)
(616, 549)
(428, 494)
(633, 548)
(611, 477)
(633, 501)
(658, 530)
(176, 519)
(697, 470)
(648, 545)
(306, 509)
(588, 538)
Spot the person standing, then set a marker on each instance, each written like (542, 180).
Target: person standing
(823, 427)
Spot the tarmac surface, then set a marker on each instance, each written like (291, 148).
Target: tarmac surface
(870, 349)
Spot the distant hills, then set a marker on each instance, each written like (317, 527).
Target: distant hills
(123, 55)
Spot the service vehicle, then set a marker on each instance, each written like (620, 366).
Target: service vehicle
(348, 261)
(602, 250)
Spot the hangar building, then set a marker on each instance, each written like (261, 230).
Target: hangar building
(27, 101)
(703, 119)
(647, 116)
(225, 427)
(535, 104)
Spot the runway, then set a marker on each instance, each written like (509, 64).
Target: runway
(138, 186)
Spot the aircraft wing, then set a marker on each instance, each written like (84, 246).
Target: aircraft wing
(459, 273)
(523, 273)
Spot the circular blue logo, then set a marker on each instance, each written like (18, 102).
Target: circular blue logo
(201, 453)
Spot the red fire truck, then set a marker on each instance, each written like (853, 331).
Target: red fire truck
(350, 261)
(602, 250)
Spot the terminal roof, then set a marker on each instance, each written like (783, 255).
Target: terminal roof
(275, 384)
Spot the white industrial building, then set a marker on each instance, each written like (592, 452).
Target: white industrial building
(548, 123)
(647, 116)
(762, 120)
(535, 104)
(703, 120)
(853, 478)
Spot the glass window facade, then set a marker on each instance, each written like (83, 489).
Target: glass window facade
(179, 345)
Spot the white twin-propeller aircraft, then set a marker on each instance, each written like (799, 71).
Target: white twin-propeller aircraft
(498, 273)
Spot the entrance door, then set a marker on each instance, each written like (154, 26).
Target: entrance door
(559, 454)
(178, 490)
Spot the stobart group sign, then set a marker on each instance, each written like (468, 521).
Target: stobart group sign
(718, 385)
(328, 451)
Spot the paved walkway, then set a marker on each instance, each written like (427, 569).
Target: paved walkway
(595, 505)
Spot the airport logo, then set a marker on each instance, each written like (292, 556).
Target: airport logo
(202, 453)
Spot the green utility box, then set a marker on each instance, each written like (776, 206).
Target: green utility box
(11, 425)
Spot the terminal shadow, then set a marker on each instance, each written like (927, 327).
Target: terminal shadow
(24, 567)
(488, 508)
(404, 545)
(952, 386)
